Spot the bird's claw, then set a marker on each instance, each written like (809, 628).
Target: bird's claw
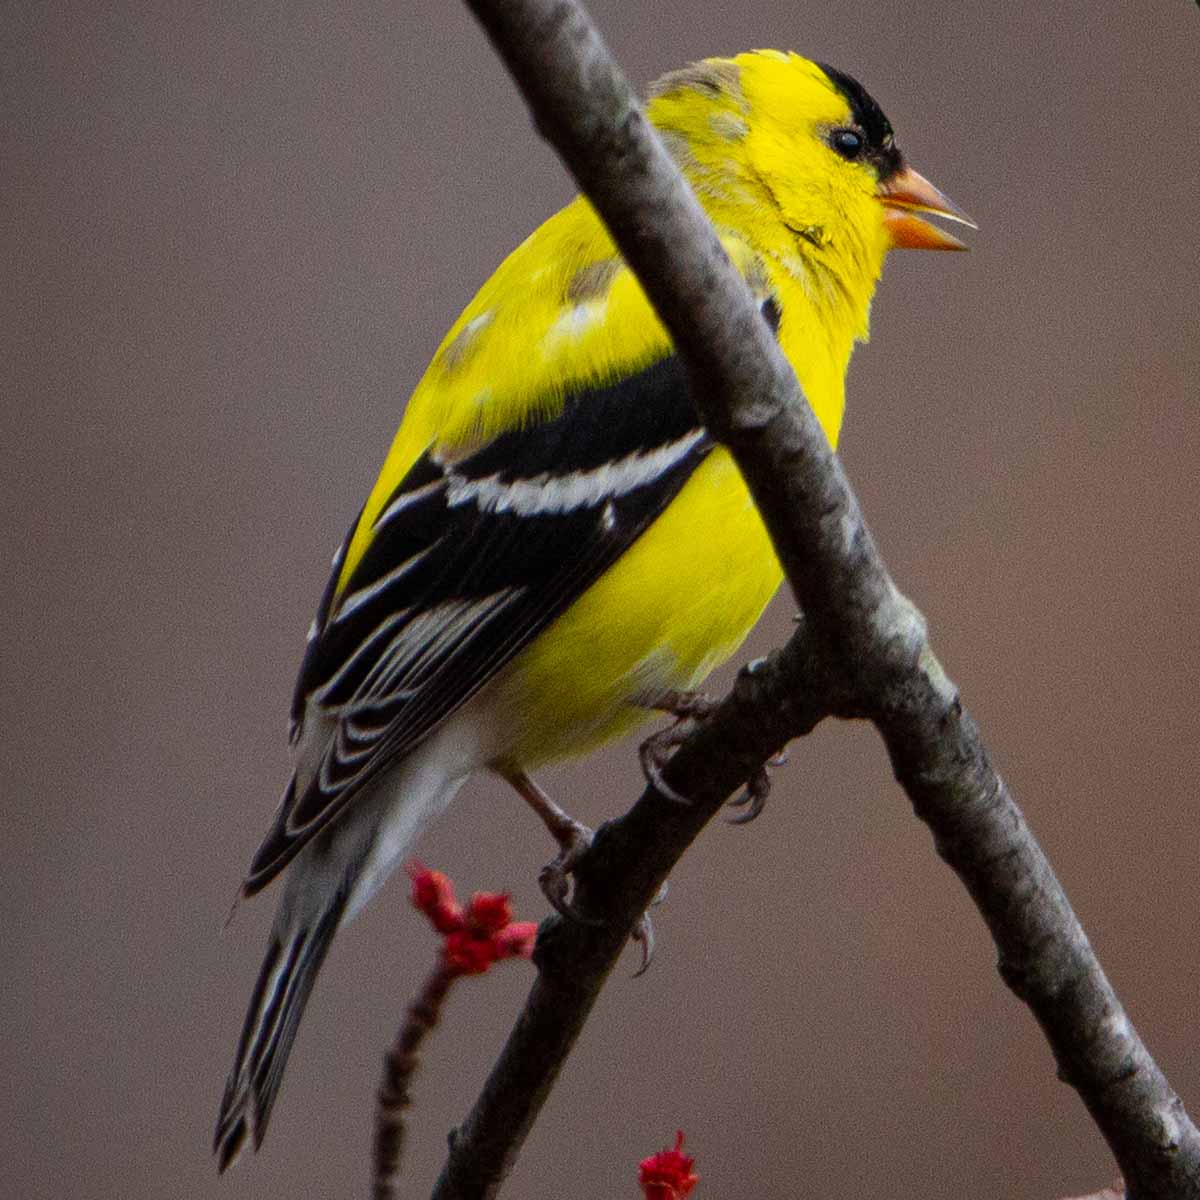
(689, 710)
(654, 754)
(643, 932)
(574, 839)
(753, 797)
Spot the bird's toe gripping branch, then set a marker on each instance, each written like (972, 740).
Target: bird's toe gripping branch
(643, 933)
(753, 797)
(554, 878)
(691, 709)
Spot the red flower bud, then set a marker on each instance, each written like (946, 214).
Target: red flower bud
(467, 953)
(516, 940)
(475, 938)
(668, 1174)
(490, 911)
(433, 894)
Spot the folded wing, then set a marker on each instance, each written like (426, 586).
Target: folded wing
(469, 560)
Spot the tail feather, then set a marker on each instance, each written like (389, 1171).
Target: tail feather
(276, 1006)
(328, 882)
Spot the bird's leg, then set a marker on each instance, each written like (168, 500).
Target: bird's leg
(688, 709)
(572, 836)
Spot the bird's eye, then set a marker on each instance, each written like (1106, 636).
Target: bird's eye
(849, 143)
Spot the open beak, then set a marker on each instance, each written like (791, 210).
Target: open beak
(903, 196)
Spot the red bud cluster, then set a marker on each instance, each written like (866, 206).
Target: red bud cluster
(475, 936)
(668, 1174)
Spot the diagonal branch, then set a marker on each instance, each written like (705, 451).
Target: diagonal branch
(862, 651)
(617, 880)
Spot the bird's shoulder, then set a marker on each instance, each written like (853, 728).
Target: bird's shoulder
(561, 315)
(563, 312)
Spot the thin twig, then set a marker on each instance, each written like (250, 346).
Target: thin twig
(861, 652)
(399, 1066)
(475, 936)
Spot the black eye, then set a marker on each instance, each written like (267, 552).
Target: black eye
(849, 143)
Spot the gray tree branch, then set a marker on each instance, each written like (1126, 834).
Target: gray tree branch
(861, 651)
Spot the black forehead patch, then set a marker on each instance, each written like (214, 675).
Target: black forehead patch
(870, 118)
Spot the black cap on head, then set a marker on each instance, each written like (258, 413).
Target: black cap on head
(869, 117)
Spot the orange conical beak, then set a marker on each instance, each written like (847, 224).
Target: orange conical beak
(903, 196)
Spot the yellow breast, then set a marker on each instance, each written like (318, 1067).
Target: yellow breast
(677, 604)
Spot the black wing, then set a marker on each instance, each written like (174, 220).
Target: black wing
(468, 562)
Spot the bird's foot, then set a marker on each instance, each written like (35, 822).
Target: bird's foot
(689, 709)
(753, 797)
(573, 838)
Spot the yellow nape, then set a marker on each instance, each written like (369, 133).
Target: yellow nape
(751, 135)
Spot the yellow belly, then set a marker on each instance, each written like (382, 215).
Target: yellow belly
(677, 604)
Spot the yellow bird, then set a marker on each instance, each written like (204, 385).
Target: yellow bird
(555, 546)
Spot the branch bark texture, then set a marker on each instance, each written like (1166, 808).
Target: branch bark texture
(861, 651)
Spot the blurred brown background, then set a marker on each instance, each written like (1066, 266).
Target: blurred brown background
(233, 234)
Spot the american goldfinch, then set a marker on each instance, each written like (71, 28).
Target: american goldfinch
(554, 541)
